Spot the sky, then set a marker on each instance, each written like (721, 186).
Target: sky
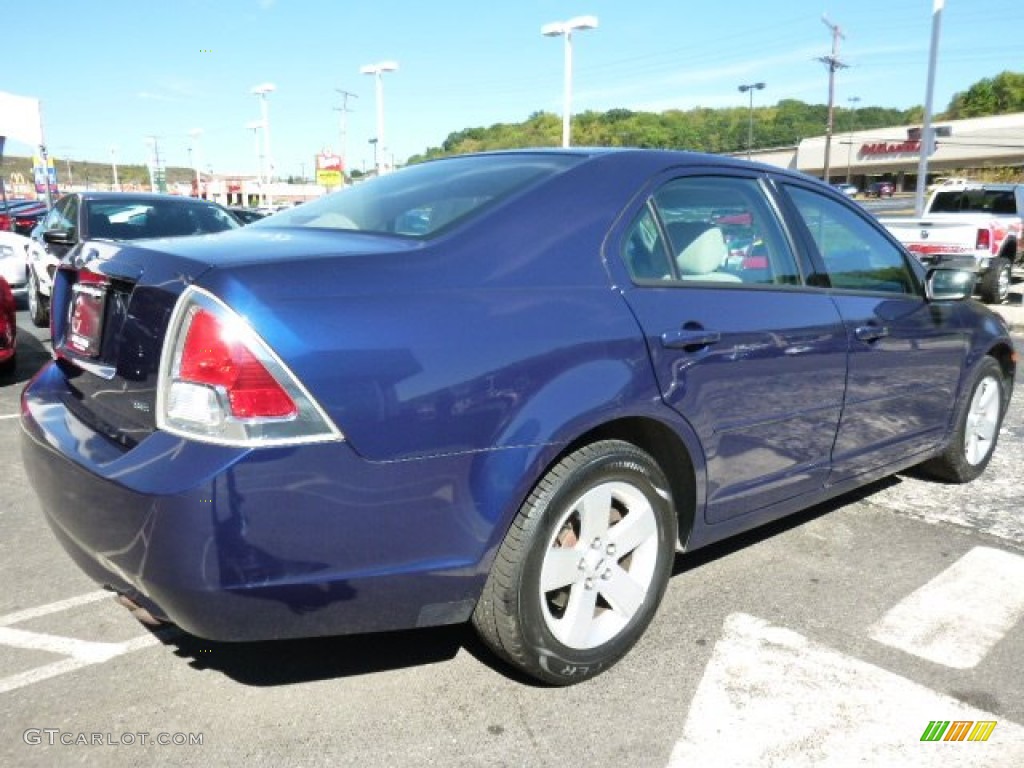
(110, 73)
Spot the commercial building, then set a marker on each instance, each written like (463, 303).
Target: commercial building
(972, 146)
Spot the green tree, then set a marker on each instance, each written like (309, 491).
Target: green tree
(998, 95)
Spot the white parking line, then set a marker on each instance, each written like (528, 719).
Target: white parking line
(9, 416)
(957, 617)
(61, 605)
(67, 646)
(80, 653)
(772, 697)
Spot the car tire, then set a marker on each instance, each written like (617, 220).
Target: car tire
(8, 366)
(976, 433)
(38, 305)
(563, 618)
(994, 286)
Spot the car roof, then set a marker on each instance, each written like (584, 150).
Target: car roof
(139, 197)
(654, 157)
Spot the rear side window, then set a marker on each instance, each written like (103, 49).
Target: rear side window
(857, 257)
(423, 200)
(710, 229)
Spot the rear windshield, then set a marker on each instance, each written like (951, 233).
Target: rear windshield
(986, 200)
(424, 200)
(138, 219)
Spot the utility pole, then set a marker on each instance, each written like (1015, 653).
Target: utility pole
(342, 150)
(155, 180)
(833, 64)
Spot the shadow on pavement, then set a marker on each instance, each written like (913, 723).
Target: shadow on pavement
(286, 662)
(33, 354)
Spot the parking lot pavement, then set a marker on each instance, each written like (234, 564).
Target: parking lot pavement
(838, 637)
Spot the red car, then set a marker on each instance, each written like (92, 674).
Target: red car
(881, 189)
(8, 329)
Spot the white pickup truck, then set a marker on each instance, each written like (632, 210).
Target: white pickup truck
(977, 227)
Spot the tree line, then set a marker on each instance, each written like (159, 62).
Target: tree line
(724, 130)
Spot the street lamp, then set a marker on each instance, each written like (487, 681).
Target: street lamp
(750, 88)
(261, 92)
(849, 149)
(377, 70)
(565, 28)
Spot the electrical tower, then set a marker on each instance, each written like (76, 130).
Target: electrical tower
(833, 64)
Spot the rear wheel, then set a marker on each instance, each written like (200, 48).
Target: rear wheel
(583, 567)
(977, 428)
(995, 282)
(38, 305)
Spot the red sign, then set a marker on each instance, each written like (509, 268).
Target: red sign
(890, 148)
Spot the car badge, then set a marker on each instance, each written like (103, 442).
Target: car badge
(924, 234)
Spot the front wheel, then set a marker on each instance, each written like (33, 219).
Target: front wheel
(583, 567)
(38, 305)
(977, 428)
(995, 282)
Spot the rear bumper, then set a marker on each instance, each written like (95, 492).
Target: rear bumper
(235, 544)
(963, 261)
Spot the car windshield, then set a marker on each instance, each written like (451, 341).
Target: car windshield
(424, 200)
(138, 219)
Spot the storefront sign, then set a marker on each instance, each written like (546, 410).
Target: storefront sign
(890, 148)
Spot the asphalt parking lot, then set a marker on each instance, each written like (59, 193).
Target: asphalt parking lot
(835, 638)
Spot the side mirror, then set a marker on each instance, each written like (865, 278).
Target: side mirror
(59, 237)
(949, 284)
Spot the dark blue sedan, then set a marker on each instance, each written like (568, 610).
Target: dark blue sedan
(504, 388)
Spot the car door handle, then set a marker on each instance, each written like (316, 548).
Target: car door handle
(689, 337)
(871, 332)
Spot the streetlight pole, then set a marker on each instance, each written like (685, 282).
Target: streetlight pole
(195, 133)
(377, 70)
(849, 147)
(564, 29)
(750, 88)
(927, 139)
(261, 91)
(256, 126)
(113, 166)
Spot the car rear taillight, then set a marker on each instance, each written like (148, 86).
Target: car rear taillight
(221, 383)
(983, 241)
(212, 358)
(5, 222)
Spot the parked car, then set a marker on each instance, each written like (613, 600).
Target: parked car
(83, 216)
(514, 414)
(850, 190)
(19, 216)
(8, 329)
(881, 189)
(948, 184)
(246, 215)
(14, 261)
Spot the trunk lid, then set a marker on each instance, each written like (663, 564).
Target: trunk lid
(112, 303)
